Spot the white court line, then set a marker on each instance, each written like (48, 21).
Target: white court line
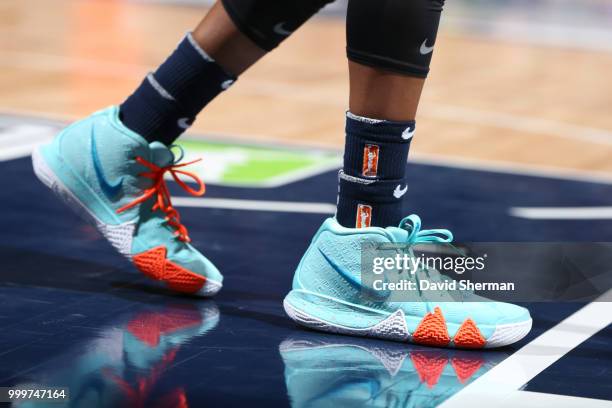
(10, 153)
(255, 205)
(19, 140)
(562, 213)
(431, 159)
(533, 358)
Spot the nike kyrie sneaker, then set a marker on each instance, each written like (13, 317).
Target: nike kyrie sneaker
(114, 178)
(328, 295)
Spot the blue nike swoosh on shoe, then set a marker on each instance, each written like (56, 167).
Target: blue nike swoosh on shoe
(109, 189)
(354, 282)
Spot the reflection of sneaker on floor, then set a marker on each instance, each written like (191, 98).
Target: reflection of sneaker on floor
(328, 371)
(151, 333)
(327, 296)
(115, 178)
(151, 341)
(129, 362)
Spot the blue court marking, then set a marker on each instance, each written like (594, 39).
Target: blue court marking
(73, 312)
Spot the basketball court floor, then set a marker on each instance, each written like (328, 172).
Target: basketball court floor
(517, 149)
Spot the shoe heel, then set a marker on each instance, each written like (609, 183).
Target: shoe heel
(47, 176)
(115, 234)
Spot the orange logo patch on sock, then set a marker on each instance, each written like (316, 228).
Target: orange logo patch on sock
(370, 160)
(364, 216)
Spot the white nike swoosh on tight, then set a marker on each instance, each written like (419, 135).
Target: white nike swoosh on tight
(425, 49)
(183, 123)
(279, 29)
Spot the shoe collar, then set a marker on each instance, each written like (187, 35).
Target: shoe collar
(409, 230)
(393, 234)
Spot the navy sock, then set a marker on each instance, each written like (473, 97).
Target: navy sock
(372, 181)
(168, 100)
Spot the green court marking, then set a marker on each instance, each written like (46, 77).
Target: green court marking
(254, 166)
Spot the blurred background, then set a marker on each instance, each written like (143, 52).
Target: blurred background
(523, 84)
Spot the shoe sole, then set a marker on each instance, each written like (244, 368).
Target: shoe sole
(394, 326)
(119, 236)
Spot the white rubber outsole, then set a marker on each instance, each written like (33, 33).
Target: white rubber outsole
(394, 328)
(116, 234)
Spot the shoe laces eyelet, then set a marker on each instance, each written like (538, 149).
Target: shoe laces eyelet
(159, 190)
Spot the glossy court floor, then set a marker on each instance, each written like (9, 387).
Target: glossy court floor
(490, 168)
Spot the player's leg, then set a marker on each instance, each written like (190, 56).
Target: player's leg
(389, 47)
(225, 43)
(206, 62)
(390, 44)
(111, 165)
(232, 37)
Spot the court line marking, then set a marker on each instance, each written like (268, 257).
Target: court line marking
(562, 213)
(17, 152)
(421, 158)
(304, 174)
(255, 205)
(533, 358)
(22, 139)
(283, 179)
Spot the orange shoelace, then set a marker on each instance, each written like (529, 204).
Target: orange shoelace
(159, 189)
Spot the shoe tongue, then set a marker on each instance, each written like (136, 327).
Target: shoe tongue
(399, 234)
(160, 155)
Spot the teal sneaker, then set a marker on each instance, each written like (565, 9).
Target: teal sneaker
(114, 178)
(327, 295)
